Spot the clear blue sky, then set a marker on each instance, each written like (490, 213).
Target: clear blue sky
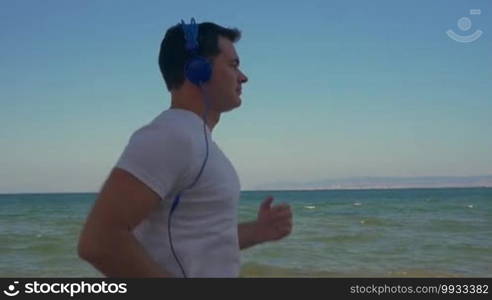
(337, 88)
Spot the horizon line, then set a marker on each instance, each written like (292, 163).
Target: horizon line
(291, 189)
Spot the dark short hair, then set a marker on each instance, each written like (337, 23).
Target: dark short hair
(172, 55)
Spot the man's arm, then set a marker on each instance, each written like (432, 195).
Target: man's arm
(107, 241)
(247, 235)
(273, 223)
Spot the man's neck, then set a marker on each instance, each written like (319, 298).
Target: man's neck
(197, 106)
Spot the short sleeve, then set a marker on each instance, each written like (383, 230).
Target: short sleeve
(158, 157)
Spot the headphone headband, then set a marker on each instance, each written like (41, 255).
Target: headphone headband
(191, 35)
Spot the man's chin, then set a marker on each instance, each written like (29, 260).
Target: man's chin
(237, 102)
(232, 104)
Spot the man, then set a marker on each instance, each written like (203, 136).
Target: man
(129, 232)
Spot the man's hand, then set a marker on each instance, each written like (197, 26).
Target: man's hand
(273, 222)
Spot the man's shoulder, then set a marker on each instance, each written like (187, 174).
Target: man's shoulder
(162, 132)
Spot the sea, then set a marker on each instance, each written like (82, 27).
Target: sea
(439, 232)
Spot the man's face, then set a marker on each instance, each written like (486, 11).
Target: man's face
(224, 88)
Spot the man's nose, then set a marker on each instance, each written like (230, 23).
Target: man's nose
(243, 78)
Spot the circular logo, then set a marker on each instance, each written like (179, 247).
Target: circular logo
(464, 23)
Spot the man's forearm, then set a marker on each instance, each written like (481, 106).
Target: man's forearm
(121, 255)
(248, 235)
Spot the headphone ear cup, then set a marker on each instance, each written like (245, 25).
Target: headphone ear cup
(198, 70)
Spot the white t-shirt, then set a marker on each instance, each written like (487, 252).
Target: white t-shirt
(167, 155)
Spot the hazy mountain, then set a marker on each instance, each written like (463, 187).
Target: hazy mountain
(384, 183)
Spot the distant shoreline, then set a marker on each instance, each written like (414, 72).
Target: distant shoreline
(368, 189)
(291, 190)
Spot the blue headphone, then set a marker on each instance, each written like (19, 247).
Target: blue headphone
(198, 69)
